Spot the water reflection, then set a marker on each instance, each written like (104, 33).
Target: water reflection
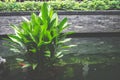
(96, 45)
(85, 70)
(92, 59)
(98, 67)
(74, 67)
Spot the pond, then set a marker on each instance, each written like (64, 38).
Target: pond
(94, 58)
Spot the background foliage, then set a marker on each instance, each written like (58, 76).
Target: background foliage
(62, 5)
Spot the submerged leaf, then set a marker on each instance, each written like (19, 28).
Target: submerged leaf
(59, 54)
(19, 59)
(15, 50)
(69, 46)
(47, 53)
(26, 65)
(34, 66)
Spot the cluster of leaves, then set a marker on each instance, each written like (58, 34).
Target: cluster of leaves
(62, 5)
(35, 6)
(18, 6)
(100, 5)
(41, 38)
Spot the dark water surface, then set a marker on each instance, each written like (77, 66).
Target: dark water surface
(93, 59)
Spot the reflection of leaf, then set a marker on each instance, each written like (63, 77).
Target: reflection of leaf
(59, 55)
(15, 50)
(26, 65)
(47, 53)
(69, 72)
(19, 59)
(69, 46)
(34, 66)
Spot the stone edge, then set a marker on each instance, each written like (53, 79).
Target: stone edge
(98, 12)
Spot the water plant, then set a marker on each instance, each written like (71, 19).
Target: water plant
(41, 38)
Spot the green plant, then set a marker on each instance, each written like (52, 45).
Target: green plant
(2, 6)
(10, 0)
(29, 6)
(69, 5)
(94, 5)
(62, 5)
(41, 38)
(114, 4)
(99, 5)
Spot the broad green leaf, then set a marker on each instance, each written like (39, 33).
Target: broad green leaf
(16, 39)
(44, 11)
(62, 24)
(24, 37)
(51, 24)
(55, 16)
(33, 50)
(51, 12)
(25, 27)
(49, 35)
(66, 40)
(34, 19)
(25, 19)
(17, 30)
(36, 30)
(33, 38)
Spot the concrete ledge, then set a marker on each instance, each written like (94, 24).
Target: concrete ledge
(98, 12)
(80, 21)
